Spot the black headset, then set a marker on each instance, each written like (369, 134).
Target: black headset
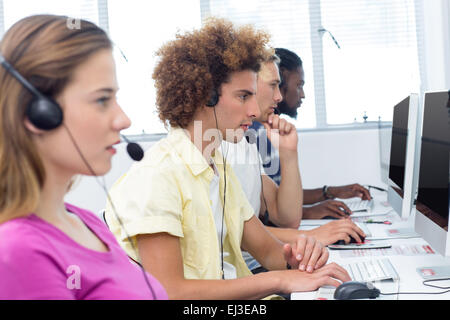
(213, 99)
(46, 114)
(43, 112)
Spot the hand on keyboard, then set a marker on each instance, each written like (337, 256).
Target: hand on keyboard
(306, 254)
(331, 274)
(350, 191)
(358, 205)
(365, 271)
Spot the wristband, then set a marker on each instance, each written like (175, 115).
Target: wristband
(326, 194)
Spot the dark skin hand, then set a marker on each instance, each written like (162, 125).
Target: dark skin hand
(328, 208)
(335, 208)
(350, 191)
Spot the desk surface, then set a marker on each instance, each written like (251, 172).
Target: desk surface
(406, 255)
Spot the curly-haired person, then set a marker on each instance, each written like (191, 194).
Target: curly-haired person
(183, 206)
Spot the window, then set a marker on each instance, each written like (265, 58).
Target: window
(288, 23)
(139, 28)
(375, 67)
(14, 10)
(377, 64)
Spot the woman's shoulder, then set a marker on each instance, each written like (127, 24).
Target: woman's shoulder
(91, 220)
(28, 262)
(20, 238)
(84, 214)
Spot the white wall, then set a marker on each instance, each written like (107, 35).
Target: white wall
(332, 157)
(340, 157)
(434, 44)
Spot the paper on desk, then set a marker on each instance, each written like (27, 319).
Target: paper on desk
(391, 216)
(393, 232)
(404, 250)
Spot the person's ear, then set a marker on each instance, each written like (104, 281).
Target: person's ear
(30, 127)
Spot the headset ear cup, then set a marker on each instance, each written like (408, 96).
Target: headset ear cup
(213, 99)
(44, 114)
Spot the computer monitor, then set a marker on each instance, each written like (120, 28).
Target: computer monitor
(401, 164)
(433, 196)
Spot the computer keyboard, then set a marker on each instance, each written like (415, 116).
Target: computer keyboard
(364, 271)
(358, 205)
(371, 270)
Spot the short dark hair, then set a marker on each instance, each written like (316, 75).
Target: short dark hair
(289, 60)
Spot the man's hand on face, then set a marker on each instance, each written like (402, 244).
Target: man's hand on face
(281, 133)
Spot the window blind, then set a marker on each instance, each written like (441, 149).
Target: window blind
(288, 22)
(380, 60)
(15, 10)
(376, 66)
(139, 28)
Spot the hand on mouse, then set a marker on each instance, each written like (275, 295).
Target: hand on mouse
(306, 254)
(332, 208)
(337, 230)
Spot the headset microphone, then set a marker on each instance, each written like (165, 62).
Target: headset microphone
(134, 150)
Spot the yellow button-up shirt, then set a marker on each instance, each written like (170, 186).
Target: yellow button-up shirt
(168, 191)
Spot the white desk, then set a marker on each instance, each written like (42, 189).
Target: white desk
(403, 256)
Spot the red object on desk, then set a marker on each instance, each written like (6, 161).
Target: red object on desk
(428, 249)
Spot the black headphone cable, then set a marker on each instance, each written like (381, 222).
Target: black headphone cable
(102, 185)
(224, 194)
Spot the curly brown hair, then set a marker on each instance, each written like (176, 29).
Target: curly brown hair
(198, 62)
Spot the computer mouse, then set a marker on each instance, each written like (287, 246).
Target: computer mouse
(356, 290)
(352, 240)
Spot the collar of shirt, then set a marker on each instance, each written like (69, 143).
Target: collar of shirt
(191, 155)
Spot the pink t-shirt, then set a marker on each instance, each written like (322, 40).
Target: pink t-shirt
(39, 261)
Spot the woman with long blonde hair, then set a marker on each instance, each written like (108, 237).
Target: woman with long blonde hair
(62, 119)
